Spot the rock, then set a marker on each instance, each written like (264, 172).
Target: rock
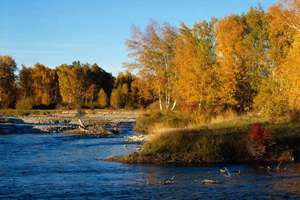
(137, 138)
(115, 130)
(170, 181)
(210, 182)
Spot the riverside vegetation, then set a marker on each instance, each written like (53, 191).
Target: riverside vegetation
(224, 139)
(227, 90)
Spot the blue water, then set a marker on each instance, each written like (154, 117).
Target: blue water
(58, 166)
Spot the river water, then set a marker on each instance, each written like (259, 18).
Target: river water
(58, 166)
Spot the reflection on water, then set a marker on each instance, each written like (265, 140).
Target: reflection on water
(67, 166)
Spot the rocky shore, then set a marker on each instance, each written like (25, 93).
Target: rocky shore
(70, 122)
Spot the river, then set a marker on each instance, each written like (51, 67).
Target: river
(60, 166)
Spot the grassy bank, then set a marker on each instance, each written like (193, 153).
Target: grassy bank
(223, 139)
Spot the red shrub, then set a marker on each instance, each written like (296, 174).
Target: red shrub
(259, 135)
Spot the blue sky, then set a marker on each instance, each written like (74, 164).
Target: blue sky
(53, 32)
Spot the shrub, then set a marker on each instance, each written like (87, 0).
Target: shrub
(258, 134)
(259, 139)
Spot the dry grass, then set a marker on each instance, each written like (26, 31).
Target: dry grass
(220, 139)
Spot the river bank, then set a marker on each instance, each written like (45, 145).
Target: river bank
(217, 143)
(73, 122)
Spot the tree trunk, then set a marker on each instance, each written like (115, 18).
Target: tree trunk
(174, 105)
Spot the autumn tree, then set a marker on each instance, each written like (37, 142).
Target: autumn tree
(230, 51)
(142, 94)
(115, 99)
(254, 66)
(242, 57)
(123, 84)
(80, 83)
(102, 99)
(195, 65)
(289, 73)
(280, 35)
(7, 82)
(25, 93)
(153, 53)
(271, 101)
(279, 92)
(24, 83)
(69, 85)
(44, 85)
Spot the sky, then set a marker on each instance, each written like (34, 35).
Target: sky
(53, 32)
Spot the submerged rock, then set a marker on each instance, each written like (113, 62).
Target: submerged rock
(211, 182)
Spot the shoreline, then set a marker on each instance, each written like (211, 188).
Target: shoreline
(67, 122)
(220, 143)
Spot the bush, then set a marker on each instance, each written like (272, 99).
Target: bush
(259, 139)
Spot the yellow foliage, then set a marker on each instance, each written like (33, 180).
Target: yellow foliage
(102, 98)
(289, 73)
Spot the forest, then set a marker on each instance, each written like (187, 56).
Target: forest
(66, 86)
(245, 63)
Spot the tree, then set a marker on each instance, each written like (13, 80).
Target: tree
(25, 82)
(79, 83)
(102, 99)
(195, 65)
(271, 100)
(25, 94)
(289, 74)
(115, 99)
(154, 56)
(293, 14)
(142, 93)
(280, 35)
(230, 51)
(7, 82)
(242, 57)
(124, 96)
(254, 67)
(44, 85)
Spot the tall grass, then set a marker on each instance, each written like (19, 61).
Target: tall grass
(187, 139)
(151, 120)
(205, 145)
(157, 121)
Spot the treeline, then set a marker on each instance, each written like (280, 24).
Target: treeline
(247, 62)
(67, 86)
